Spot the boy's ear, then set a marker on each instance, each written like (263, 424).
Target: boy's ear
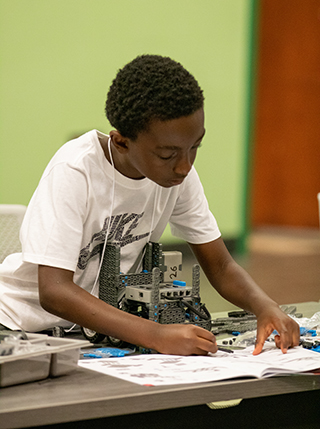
(119, 142)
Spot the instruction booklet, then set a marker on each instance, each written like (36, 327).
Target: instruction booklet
(158, 369)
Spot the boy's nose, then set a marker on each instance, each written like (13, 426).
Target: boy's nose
(183, 166)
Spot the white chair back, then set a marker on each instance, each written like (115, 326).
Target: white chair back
(11, 216)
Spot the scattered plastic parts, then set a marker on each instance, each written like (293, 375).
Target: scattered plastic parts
(308, 332)
(238, 313)
(6, 349)
(225, 349)
(14, 345)
(228, 341)
(12, 341)
(308, 323)
(310, 344)
(245, 340)
(20, 335)
(307, 344)
(106, 352)
(316, 349)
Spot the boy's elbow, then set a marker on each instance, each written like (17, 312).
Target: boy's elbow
(46, 299)
(52, 284)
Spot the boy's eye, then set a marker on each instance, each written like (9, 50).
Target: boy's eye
(172, 155)
(197, 146)
(165, 157)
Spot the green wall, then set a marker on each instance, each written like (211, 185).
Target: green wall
(58, 58)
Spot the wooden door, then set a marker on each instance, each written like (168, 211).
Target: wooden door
(286, 154)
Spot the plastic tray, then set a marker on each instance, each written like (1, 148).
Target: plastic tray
(52, 357)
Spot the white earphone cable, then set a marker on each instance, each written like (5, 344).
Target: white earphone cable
(93, 290)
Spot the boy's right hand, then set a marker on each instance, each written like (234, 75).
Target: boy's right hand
(185, 340)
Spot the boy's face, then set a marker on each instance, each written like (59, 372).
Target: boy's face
(164, 153)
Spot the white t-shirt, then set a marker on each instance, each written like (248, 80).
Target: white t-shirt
(68, 218)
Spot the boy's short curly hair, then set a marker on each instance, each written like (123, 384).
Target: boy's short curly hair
(151, 87)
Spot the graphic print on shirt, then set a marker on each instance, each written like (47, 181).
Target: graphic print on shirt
(119, 233)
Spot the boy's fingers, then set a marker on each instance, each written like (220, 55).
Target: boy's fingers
(277, 340)
(258, 348)
(285, 342)
(280, 343)
(206, 342)
(203, 333)
(187, 340)
(287, 339)
(261, 338)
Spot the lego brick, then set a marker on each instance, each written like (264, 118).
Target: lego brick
(172, 266)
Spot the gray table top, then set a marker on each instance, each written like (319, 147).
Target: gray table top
(85, 394)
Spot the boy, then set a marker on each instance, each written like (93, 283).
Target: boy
(125, 188)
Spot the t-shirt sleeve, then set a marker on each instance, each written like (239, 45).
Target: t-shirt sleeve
(192, 219)
(52, 229)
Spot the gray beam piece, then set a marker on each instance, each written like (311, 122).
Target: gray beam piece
(154, 305)
(196, 280)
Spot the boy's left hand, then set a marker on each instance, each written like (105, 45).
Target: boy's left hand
(275, 319)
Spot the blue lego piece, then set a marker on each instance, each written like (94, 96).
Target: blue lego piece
(105, 352)
(305, 331)
(179, 283)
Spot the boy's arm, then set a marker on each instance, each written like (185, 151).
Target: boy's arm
(235, 285)
(59, 295)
